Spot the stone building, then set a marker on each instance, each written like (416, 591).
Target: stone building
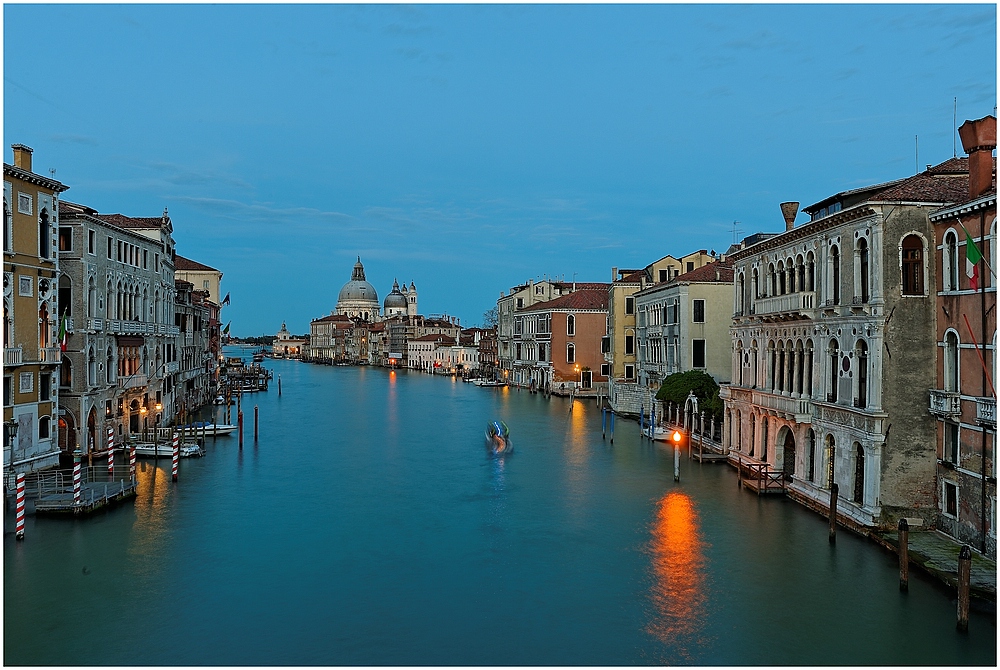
(358, 299)
(122, 354)
(557, 343)
(32, 352)
(682, 324)
(196, 374)
(202, 277)
(832, 347)
(327, 338)
(963, 399)
(421, 351)
(287, 345)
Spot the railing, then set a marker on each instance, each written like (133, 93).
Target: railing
(759, 475)
(95, 324)
(986, 411)
(49, 355)
(13, 356)
(70, 326)
(132, 381)
(736, 394)
(800, 408)
(171, 367)
(803, 301)
(945, 403)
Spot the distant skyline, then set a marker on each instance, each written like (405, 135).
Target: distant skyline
(467, 148)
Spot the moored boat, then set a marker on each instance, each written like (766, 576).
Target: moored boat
(498, 438)
(166, 450)
(207, 428)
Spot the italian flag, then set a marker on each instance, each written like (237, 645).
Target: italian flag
(972, 258)
(63, 335)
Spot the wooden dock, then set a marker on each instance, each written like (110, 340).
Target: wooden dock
(51, 491)
(759, 476)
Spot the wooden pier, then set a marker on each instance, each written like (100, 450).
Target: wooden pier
(237, 377)
(759, 476)
(53, 490)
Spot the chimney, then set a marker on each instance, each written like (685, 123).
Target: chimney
(614, 274)
(22, 156)
(979, 139)
(789, 210)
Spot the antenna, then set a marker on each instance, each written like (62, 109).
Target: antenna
(954, 130)
(916, 156)
(52, 172)
(736, 231)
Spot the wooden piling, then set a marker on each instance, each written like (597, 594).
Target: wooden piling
(239, 423)
(279, 386)
(256, 415)
(964, 577)
(612, 427)
(834, 492)
(904, 555)
(604, 419)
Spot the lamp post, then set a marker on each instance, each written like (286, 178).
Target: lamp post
(10, 434)
(677, 455)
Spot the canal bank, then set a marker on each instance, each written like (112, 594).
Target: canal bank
(368, 526)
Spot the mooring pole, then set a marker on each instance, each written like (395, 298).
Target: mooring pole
(239, 422)
(256, 415)
(604, 419)
(964, 577)
(612, 426)
(19, 527)
(279, 386)
(904, 555)
(834, 490)
(176, 456)
(77, 478)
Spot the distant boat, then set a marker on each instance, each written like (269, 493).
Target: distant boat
(211, 428)
(166, 450)
(498, 438)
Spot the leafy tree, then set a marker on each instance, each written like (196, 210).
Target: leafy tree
(676, 387)
(490, 318)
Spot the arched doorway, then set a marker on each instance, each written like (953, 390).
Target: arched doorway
(67, 433)
(133, 417)
(92, 430)
(788, 461)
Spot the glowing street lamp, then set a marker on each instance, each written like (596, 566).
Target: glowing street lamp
(677, 455)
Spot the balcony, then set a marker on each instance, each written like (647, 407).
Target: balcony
(986, 412)
(50, 355)
(794, 409)
(801, 305)
(736, 394)
(70, 326)
(95, 324)
(13, 356)
(945, 403)
(132, 381)
(171, 368)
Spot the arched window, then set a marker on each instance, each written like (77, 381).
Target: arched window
(91, 298)
(772, 283)
(44, 326)
(753, 432)
(109, 366)
(43, 428)
(65, 296)
(763, 437)
(951, 376)
(571, 353)
(912, 265)
(782, 285)
(834, 358)
(861, 354)
(756, 284)
(859, 474)
(811, 455)
(831, 454)
(800, 268)
(740, 293)
(91, 368)
(835, 275)
(865, 272)
(753, 363)
(44, 234)
(810, 272)
(949, 262)
(571, 325)
(66, 373)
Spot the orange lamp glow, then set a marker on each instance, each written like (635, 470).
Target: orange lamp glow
(677, 436)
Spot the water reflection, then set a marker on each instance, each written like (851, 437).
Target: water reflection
(151, 527)
(678, 563)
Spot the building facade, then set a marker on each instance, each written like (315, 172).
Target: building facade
(963, 401)
(32, 352)
(832, 349)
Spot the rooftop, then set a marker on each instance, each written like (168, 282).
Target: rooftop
(588, 298)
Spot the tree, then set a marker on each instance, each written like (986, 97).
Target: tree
(490, 318)
(676, 387)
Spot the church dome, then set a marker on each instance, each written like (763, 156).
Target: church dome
(395, 299)
(358, 289)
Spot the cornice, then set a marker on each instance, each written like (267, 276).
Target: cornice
(955, 211)
(32, 178)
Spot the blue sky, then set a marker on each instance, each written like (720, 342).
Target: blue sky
(468, 148)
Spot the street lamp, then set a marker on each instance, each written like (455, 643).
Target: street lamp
(10, 430)
(677, 455)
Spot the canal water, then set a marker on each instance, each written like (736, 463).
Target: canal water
(368, 526)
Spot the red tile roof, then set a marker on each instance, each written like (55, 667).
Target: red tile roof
(633, 277)
(582, 285)
(706, 273)
(182, 263)
(434, 337)
(332, 317)
(596, 299)
(140, 223)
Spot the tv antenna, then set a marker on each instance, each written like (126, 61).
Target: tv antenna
(736, 231)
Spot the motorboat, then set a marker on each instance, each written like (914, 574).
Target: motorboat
(166, 450)
(657, 433)
(199, 427)
(498, 438)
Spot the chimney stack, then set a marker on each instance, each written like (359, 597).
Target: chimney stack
(614, 274)
(22, 155)
(789, 210)
(979, 139)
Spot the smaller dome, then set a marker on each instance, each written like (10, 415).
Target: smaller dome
(395, 299)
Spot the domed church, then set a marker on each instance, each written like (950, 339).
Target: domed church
(400, 302)
(358, 298)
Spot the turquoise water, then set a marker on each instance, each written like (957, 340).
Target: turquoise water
(369, 526)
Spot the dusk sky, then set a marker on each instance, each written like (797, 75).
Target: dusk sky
(469, 148)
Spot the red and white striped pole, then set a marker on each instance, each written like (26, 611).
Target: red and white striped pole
(77, 478)
(177, 454)
(111, 453)
(19, 528)
(131, 461)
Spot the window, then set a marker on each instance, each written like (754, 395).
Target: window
(811, 456)
(950, 500)
(699, 311)
(951, 443)
(835, 274)
(912, 265)
(45, 386)
(834, 359)
(863, 261)
(43, 428)
(630, 305)
(91, 242)
(698, 353)
(8, 390)
(25, 286)
(26, 382)
(520, 303)
(24, 203)
(145, 262)
(951, 361)
(44, 235)
(65, 296)
(605, 369)
(690, 266)
(65, 238)
(861, 353)
(859, 474)
(111, 245)
(571, 325)
(571, 353)
(629, 371)
(630, 345)
(949, 259)
(662, 275)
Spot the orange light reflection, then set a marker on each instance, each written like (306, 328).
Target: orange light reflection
(678, 593)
